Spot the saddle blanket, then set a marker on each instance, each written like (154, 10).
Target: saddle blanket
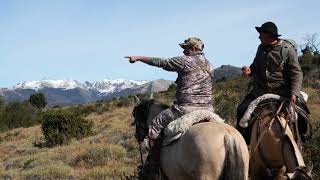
(177, 127)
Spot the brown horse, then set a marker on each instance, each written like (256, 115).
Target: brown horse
(274, 151)
(206, 151)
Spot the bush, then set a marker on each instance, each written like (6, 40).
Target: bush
(2, 103)
(19, 114)
(227, 95)
(124, 102)
(38, 100)
(60, 127)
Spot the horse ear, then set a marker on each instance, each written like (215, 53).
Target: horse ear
(151, 96)
(136, 100)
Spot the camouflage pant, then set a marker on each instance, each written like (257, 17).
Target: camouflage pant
(165, 117)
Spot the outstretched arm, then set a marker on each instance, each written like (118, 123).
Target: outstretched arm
(170, 64)
(133, 59)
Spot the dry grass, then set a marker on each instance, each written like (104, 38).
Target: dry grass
(109, 153)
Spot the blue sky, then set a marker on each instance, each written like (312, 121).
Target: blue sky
(86, 40)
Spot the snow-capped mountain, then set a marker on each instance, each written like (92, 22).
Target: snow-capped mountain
(68, 92)
(105, 86)
(36, 85)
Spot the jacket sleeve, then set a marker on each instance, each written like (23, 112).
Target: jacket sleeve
(169, 64)
(253, 68)
(253, 65)
(294, 72)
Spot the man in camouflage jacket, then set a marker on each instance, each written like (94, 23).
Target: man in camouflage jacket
(272, 70)
(194, 83)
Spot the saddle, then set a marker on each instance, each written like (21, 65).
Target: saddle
(178, 127)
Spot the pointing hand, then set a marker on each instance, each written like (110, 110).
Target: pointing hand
(132, 59)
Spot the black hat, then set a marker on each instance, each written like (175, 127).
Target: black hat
(270, 28)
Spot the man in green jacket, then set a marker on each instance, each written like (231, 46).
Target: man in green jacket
(275, 69)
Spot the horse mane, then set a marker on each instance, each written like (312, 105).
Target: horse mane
(141, 111)
(141, 114)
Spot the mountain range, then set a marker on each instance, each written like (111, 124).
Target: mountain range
(70, 92)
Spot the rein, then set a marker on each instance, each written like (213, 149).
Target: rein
(269, 126)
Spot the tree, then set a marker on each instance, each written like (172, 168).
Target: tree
(2, 102)
(307, 55)
(38, 100)
(19, 114)
(312, 42)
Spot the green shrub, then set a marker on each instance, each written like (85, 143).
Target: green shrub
(60, 127)
(38, 100)
(227, 95)
(56, 106)
(2, 103)
(19, 114)
(124, 102)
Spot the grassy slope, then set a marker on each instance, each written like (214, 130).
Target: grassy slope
(112, 150)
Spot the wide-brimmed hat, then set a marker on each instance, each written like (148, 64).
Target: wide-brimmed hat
(270, 28)
(193, 42)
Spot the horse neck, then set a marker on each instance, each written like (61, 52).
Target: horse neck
(154, 110)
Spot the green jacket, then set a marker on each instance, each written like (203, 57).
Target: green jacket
(276, 75)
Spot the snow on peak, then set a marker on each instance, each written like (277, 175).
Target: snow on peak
(109, 86)
(64, 84)
(105, 86)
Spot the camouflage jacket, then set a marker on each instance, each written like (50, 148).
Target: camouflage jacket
(273, 74)
(194, 82)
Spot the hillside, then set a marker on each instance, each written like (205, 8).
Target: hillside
(72, 92)
(112, 151)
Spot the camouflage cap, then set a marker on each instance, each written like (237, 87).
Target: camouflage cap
(193, 42)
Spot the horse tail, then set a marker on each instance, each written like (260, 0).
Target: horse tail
(233, 163)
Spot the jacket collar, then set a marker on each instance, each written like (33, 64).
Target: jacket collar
(196, 53)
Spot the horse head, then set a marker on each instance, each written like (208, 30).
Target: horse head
(143, 114)
(275, 135)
